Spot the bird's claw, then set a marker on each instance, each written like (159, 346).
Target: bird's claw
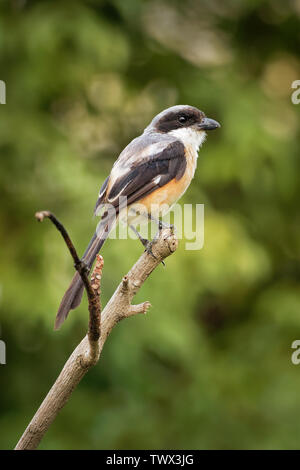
(150, 252)
(148, 249)
(162, 225)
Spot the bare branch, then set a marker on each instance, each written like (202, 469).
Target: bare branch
(118, 307)
(79, 265)
(92, 290)
(40, 217)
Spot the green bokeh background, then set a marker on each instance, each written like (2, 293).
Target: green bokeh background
(210, 365)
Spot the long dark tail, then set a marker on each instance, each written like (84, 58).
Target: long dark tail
(73, 295)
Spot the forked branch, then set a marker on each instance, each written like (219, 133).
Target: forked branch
(88, 351)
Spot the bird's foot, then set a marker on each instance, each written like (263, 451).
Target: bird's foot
(162, 225)
(149, 249)
(147, 243)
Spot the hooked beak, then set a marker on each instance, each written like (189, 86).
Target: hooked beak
(208, 124)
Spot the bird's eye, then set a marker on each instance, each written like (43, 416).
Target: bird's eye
(182, 119)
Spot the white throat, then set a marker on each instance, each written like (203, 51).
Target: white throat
(189, 137)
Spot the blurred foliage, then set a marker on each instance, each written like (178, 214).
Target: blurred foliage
(209, 366)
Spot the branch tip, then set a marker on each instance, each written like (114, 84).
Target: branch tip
(41, 215)
(140, 308)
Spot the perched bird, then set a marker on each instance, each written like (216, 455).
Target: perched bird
(153, 171)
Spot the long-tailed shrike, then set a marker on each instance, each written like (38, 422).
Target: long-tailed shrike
(151, 174)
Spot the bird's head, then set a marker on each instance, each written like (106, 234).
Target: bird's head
(184, 122)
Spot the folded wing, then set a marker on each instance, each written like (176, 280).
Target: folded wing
(136, 178)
